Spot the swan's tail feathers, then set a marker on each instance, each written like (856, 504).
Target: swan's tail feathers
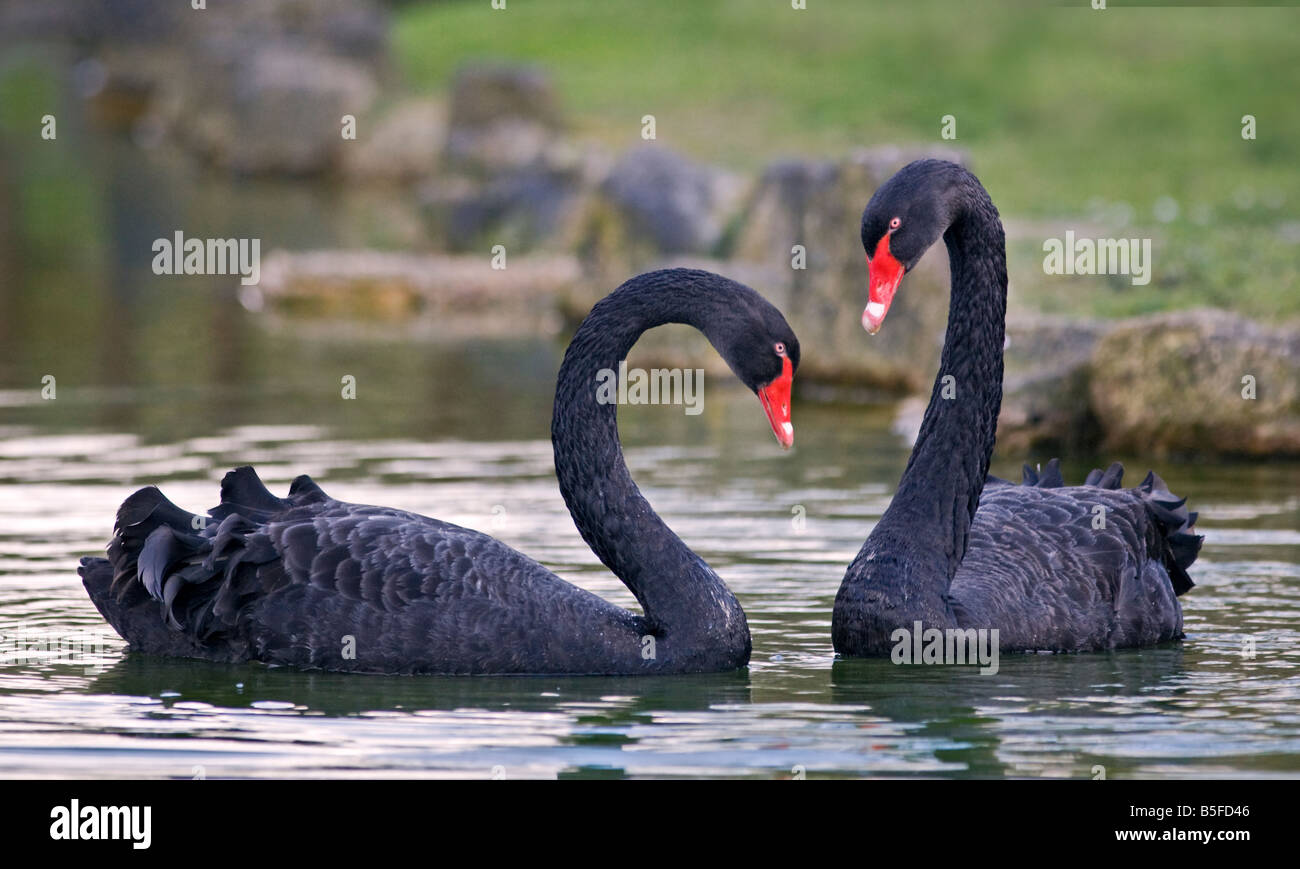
(154, 550)
(1107, 479)
(97, 576)
(174, 580)
(1177, 527)
(1043, 478)
(303, 490)
(1050, 477)
(127, 586)
(243, 492)
(129, 610)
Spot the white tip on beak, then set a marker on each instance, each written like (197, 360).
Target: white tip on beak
(873, 316)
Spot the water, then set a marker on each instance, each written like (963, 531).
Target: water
(169, 381)
(1192, 709)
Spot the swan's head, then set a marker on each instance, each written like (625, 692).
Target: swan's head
(775, 394)
(761, 348)
(905, 216)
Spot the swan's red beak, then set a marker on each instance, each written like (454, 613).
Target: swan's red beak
(885, 274)
(776, 403)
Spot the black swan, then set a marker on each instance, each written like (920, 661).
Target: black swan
(1051, 567)
(316, 583)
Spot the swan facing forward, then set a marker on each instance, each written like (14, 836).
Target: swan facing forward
(313, 582)
(1051, 567)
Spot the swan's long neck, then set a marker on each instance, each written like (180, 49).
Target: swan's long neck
(929, 518)
(676, 589)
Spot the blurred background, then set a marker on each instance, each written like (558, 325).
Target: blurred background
(591, 144)
(386, 154)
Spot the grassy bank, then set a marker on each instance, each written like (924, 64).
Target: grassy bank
(1066, 112)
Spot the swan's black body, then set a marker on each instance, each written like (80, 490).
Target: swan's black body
(1050, 567)
(313, 582)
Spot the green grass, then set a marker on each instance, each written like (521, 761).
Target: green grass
(1059, 107)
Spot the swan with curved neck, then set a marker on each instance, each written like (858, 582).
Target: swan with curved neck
(959, 550)
(314, 582)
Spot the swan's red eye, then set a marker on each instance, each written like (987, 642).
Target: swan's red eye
(779, 347)
(895, 223)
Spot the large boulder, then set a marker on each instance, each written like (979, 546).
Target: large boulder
(818, 207)
(356, 29)
(680, 206)
(256, 86)
(1045, 397)
(502, 117)
(274, 108)
(510, 176)
(1180, 383)
(538, 205)
(402, 144)
(655, 203)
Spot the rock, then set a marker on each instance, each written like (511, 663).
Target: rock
(1164, 384)
(655, 203)
(511, 178)
(1173, 383)
(1045, 402)
(276, 109)
(460, 295)
(354, 29)
(257, 86)
(348, 28)
(403, 144)
(539, 205)
(1045, 399)
(818, 206)
(501, 118)
(533, 206)
(25, 21)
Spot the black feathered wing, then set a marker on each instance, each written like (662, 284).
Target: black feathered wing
(315, 582)
(1074, 568)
